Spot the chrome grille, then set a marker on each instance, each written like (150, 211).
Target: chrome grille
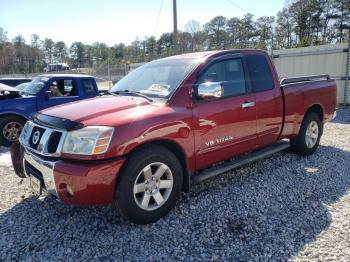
(36, 136)
(54, 141)
(42, 140)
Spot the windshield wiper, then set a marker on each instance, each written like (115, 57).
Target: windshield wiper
(128, 92)
(105, 92)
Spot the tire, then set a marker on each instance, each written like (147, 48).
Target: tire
(137, 196)
(309, 136)
(10, 129)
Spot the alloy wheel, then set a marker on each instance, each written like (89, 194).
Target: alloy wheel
(311, 134)
(12, 131)
(153, 186)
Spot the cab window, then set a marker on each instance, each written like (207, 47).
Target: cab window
(260, 73)
(63, 88)
(229, 73)
(88, 86)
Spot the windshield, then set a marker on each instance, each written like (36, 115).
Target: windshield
(20, 87)
(158, 78)
(34, 87)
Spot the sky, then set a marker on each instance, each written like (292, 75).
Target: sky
(116, 21)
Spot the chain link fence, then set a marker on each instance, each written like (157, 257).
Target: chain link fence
(106, 75)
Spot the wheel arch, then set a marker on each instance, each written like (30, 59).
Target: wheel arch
(179, 153)
(316, 108)
(4, 115)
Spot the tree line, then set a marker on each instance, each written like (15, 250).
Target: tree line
(300, 23)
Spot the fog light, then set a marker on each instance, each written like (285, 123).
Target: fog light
(66, 190)
(70, 191)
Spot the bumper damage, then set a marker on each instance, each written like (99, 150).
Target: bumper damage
(76, 183)
(17, 159)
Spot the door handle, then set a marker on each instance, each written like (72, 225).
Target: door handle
(248, 104)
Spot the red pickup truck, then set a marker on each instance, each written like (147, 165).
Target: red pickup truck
(168, 124)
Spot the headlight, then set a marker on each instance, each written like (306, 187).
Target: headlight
(90, 140)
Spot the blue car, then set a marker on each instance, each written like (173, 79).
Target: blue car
(42, 92)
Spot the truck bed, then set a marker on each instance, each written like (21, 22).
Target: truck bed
(301, 93)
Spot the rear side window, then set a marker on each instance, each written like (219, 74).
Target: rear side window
(229, 73)
(88, 86)
(260, 73)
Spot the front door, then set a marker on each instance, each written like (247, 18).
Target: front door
(62, 90)
(226, 127)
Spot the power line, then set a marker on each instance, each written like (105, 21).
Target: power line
(158, 16)
(237, 6)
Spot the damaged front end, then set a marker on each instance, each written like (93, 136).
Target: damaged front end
(17, 155)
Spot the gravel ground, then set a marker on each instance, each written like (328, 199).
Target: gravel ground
(5, 158)
(283, 208)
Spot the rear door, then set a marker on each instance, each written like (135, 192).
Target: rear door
(269, 103)
(67, 91)
(225, 127)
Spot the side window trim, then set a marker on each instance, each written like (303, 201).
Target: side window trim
(216, 60)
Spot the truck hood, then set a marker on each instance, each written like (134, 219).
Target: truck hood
(105, 110)
(7, 88)
(7, 92)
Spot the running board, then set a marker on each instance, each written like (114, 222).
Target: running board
(241, 161)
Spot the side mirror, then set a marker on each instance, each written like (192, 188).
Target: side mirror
(48, 94)
(210, 90)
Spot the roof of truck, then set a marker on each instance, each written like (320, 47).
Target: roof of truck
(192, 55)
(68, 75)
(198, 55)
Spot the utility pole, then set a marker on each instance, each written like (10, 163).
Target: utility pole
(272, 43)
(109, 74)
(175, 26)
(347, 74)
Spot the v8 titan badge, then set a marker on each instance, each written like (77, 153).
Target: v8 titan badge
(218, 141)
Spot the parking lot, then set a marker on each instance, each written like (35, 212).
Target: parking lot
(284, 207)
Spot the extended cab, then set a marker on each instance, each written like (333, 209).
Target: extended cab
(42, 92)
(167, 124)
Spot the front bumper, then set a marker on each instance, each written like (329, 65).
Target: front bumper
(41, 169)
(76, 183)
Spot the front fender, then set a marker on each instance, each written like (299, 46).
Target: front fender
(21, 114)
(23, 107)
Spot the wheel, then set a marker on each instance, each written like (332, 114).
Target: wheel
(149, 185)
(10, 129)
(309, 135)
